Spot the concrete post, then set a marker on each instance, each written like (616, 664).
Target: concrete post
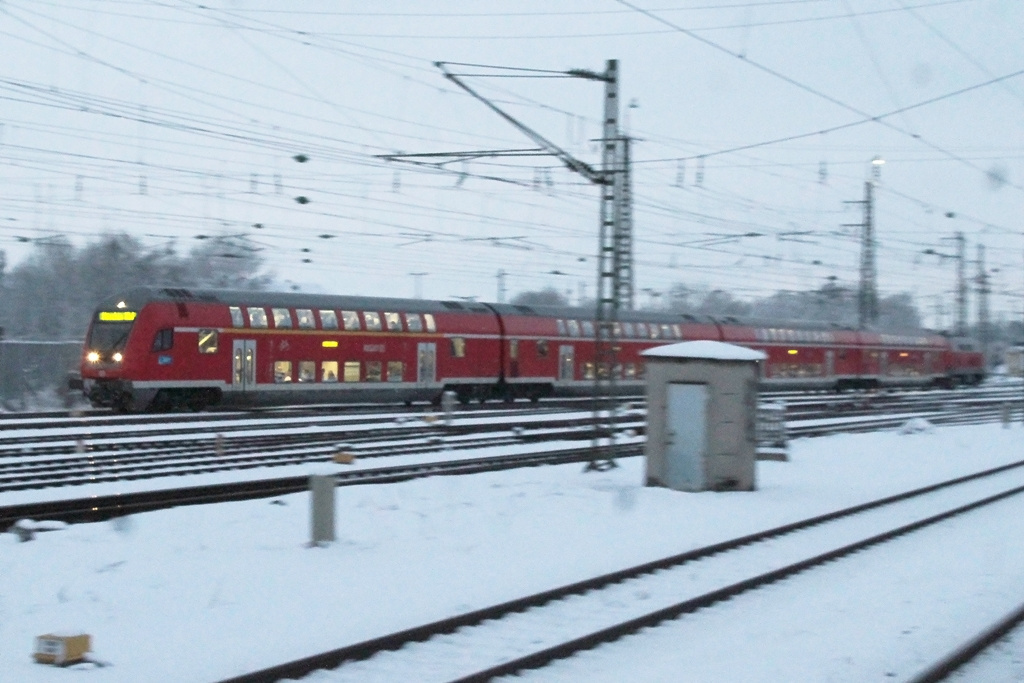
(448, 400)
(321, 495)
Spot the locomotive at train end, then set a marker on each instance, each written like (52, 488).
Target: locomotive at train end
(165, 349)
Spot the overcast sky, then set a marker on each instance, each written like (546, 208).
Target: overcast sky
(176, 121)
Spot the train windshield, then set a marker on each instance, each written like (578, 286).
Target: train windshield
(109, 336)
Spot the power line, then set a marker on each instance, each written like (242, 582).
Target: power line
(817, 93)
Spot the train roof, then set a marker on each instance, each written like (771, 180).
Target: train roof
(138, 297)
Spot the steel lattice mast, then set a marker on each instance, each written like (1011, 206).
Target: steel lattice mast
(615, 247)
(609, 276)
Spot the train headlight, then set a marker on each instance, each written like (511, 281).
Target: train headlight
(93, 357)
(117, 357)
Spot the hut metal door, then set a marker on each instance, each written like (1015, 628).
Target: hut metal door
(686, 438)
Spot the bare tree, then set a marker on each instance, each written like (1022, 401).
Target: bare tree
(549, 296)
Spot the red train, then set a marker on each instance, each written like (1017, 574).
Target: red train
(159, 349)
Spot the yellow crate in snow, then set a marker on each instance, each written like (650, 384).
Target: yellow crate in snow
(62, 649)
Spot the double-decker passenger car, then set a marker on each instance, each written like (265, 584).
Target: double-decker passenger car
(166, 348)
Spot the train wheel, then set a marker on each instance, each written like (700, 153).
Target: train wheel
(124, 404)
(195, 402)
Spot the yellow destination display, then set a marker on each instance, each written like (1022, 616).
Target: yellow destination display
(117, 316)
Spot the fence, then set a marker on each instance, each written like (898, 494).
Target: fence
(34, 372)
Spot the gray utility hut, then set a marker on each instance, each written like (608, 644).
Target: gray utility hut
(702, 416)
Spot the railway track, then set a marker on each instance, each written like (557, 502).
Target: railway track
(102, 507)
(87, 451)
(72, 456)
(532, 631)
(59, 460)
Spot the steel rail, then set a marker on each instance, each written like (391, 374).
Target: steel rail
(109, 506)
(964, 653)
(612, 633)
(394, 641)
(255, 452)
(157, 458)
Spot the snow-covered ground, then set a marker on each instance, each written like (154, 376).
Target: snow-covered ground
(202, 593)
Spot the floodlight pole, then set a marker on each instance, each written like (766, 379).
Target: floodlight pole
(867, 293)
(961, 284)
(983, 292)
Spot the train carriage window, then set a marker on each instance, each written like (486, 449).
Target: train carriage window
(617, 329)
(372, 320)
(666, 332)
(351, 321)
(574, 328)
(588, 329)
(542, 348)
(588, 370)
(307, 371)
(561, 328)
(305, 318)
(654, 330)
(373, 371)
(257, 317)
(395, 370)
(630, 371)
(208, 341)
(393, 321)
(329, 371)
(458, 347)
(641, 330)
(677, 332)
(237, 319)
(328, 320)
(513, 349)
(282, 318)
(628, 329)
(428, 319)
(352, 371)
(282, 371)
(163, 340)
(413, 323)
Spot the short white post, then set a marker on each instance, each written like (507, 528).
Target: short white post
(321, 495)
(448, 400)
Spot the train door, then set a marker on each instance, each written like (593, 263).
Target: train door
(243, 374)
(566, 363)
(426, 368)
(830, 363)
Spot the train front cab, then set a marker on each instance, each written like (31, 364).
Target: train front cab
(143, 353)
(103, 356)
